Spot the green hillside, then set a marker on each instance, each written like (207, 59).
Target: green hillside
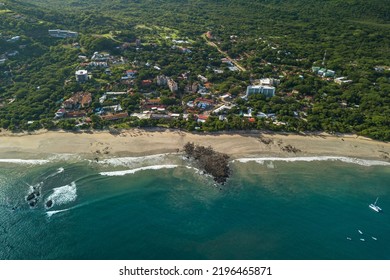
(268, 38)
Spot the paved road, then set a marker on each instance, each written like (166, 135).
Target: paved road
(224, 53)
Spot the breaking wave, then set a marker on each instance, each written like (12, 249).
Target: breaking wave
(129, 161)
(132, 171)
(35, 187)
(24, 161)
(362, 162)
(197, 171)
(63, 194)
(51, 213)
(59, 170)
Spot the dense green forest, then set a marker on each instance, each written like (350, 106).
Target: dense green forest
(275, 39)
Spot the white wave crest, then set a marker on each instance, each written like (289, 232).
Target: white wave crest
(197, 171)
(63, 194)
(24, 161)
(128, 161)
(51, 213)
(132, 171)
(363, 162)
(59, 170)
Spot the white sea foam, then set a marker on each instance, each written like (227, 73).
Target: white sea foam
(132, 171)
(35, 187)
(129, 161)
(24, 161)
(197, 171)
(51, 213)
(363, 162)
(63, 194)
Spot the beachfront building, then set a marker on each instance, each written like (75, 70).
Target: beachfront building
(81, 76)
(268, 91)
(58, 33)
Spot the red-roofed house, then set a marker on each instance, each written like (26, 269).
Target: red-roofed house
(131, 73)
(113, 117)
(202, 118)
(146, 83)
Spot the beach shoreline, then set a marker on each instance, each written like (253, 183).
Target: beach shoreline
(138, 142)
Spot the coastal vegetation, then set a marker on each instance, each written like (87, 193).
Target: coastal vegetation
(212, 50)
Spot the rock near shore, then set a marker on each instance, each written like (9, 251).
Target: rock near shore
(214, 163)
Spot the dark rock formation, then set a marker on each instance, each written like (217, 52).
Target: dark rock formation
(290, 149)
(30, 196)
(266, 141)
(33, 198)
(49, 203)
(214, 163)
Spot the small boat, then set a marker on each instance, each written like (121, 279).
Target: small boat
(362, 239)
(375, 207)
(349, 238)
(360, 231)
(373, 237)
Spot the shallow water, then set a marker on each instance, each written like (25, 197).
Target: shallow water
(162, 207)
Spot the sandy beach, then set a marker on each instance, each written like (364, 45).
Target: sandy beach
(141, 142)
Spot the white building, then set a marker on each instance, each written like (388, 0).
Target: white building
(342, 80)
(58, 33)
(268, 91)
(162, 80)
(81, 75)
(202, 78)
(269, 82)
(100, 56)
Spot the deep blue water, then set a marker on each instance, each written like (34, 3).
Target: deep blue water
(168, 210)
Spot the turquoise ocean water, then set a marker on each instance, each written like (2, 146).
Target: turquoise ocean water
(161, 207)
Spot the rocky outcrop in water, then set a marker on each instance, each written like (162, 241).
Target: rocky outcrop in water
(49, 203)
(33, 197)
(214, 163)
